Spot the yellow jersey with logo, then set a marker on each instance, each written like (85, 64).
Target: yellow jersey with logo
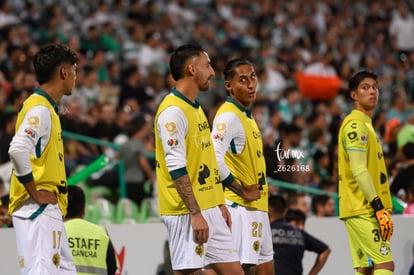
(48, 167)
(88, 243)
(357, 133)
(249, 165)
(201, 165)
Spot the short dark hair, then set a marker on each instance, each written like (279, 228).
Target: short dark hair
(326, 183)
(289, 128)
(321, 199)
(137, 122)
(277, 204)
(295, 215)
(318, 155)
(357, 78)
(408, 150)
(7, 118)
(48, 59)
(180, 56)
(229, 69)
(129, 71)
(76, 201)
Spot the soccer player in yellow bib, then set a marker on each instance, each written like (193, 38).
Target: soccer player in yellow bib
(364, 194)
(239, 151)
(38, 191)
(191, 199)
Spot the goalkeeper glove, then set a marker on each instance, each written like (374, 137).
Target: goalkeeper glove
(384, 219)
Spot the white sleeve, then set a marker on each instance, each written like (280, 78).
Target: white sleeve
(31, 138)
(172, 127)
(228, 136)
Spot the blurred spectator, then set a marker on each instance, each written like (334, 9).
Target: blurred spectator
(405, 174)
(392, 127)
(281, 155)
(91, 41)
(56, 27)
(399, 106)
(323, 66)
(7, 18)
(402, 30)
(328, 186)
(3, 189)
(378, 122)
(289, 104)
(298, 201)
(132, 86)
(15, 100)
(8, 122)
(98, 62)
(270, 132)
(406, 133)
(74, 42)
(320, 167)
(133, 43)
(317, 129)
(334, 119)
(318, 140)
(76, 119)
(109, 41)
(107, 127)
(114, 74)
(89, 90)
(137, 168)
(152, 54)
(323, 206)
(5, 219)
(409, 210)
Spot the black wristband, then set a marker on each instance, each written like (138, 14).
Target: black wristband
(377, 204)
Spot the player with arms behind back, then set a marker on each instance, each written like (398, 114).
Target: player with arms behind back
(38, 191)
(239, 151)
(364, 194)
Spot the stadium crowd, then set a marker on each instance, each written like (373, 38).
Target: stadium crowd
(123, 70)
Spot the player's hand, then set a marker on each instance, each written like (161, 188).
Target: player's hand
(45, 197)
(40, 196)
(226, 215)
(384, 219)
(251, 192)
(200, 228)
(385, 222)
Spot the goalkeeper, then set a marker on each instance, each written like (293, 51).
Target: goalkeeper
(364, 195)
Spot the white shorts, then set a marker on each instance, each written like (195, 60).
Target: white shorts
(186, 254)
(42, 245)
(251, 234)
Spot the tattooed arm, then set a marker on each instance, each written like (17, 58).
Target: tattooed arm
(199, 224)
(184, 189)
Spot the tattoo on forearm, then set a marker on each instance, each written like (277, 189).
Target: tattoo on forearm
(184, 189)
(236, 188)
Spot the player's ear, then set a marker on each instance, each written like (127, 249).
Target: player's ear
(63, 72)
(352, 94)
(228, 86)
(191, 69)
